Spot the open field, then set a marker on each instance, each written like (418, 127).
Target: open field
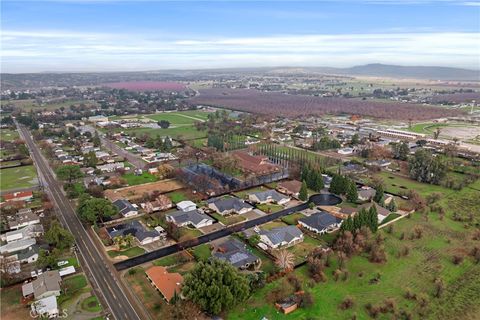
(292, 105)
(397, 184)
(131, 192)
(18, 177)
(133, 179)
(461, 131)
(184, 132)
(429, 257)
(9, 135)
(147, 85)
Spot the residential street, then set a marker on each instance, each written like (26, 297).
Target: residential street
(106, 280)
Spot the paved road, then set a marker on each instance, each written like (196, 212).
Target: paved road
(105, 279)
(318, 199)
(133, 159)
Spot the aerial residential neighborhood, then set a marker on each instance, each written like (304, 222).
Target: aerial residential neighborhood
(240, 160)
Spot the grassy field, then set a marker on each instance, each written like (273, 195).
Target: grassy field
(269, 207)
(133, 179)
(9, 135)
(202, 252)
(176, 196)
(91, 304)
(18, 177)
(301, 250)
(397, 184)
(72, 286)
(292, 219)
(429, 257)
(131, 252)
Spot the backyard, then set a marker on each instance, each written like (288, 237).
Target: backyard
(134, 179)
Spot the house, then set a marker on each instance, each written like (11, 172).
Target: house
(17, 246)
(45, 308)
(345, 151)
(235, 252)
(257, 165)
(136, 229)
(268, 196)
(30, 231)
(281, 237)
(186, 205)
(29, 255)
(229, 205)
(327, 180)
(23, 218)
(193, 218)
(378, 163)
(18, 196)
(366, 193)
(99, 118)
(111, 167)
(320, 222)
(382, 213)
(125, 208)
(290, 188)
(354, 168)
(66, 271)
(162, 202)
(47, 284)
(168, 284)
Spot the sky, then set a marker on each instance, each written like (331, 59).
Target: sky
(116, 35)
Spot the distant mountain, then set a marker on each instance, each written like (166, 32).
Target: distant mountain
(412, 72)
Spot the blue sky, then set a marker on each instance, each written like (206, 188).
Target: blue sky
(107, 35)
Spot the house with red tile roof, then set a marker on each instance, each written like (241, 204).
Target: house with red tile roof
(18, 196)
(166, 283)
(258, 165)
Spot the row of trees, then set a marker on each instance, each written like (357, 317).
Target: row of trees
(313, 177)
(225, 142)
(365, 217)
(162, 144)
(344, 185)
(326, 143)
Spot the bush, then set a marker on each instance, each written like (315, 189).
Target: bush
(347, 303)
(457, 259)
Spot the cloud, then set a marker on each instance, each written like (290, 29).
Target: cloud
(36, 50)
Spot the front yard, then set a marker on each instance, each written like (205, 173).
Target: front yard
(228, 220)
(130, 253)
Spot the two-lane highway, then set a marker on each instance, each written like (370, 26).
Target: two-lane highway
(105, 278)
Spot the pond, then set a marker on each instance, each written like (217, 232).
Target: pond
(325, 199)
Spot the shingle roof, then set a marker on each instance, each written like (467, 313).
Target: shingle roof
(230, 203)
(282, 234)
(320, 220)
(235, 253)
(265, 195)
(124, 206)
(193, 216)
(134, 228)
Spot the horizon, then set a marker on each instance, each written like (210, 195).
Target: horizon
(84, 36)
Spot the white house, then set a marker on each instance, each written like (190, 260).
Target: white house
(30, 231)
(229, 205)
(281, 237)
(46, 307)
(17, 245)
(186, 205)
(193, 218)
(268, 196)
(125, 208)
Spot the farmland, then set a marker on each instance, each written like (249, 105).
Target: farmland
(162, 186)
(146, 85)
(297, 105)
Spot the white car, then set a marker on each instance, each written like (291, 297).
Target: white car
(62, 263)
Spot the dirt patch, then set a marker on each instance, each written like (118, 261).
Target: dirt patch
(135, 192)
(461, 132)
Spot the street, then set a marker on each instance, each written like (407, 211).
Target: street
(105, 279)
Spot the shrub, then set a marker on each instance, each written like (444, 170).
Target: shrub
(457, 259)
(347, 303)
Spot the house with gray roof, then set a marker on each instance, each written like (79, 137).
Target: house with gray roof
(281, 237)
(23, 218)
(29, 255)
(229, 205)
(30, 231)
(193, 218)
(47, 284)
(320, 222)
(235, 252)
(268, 196)
(125, 208)
(136, 229)
(17, 245)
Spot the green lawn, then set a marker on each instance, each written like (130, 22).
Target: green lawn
(397, 184)
(91, 304)
(390, 217)
(133, 179)
(131, 252)
(9, 135)
(72, 285)
(293, 218)
(18, 177)
(301, 250)
(188, 233)
(176, 196)
(175, 259)
(228, 220)
(429, 257)
(202, 252)
(269, 208)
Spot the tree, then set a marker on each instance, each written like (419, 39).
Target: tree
(93, 209)
(167, 144)
(400, 151)
(379, 194)
(284, 259)
(90, 159)
(59, 237)
(355, 139)
(303, 195)
(424, 167)
(215, 286)
(69, 173)
(48, 259)
(96, 140)
(392, 206)
(352, 193)
(164, 124)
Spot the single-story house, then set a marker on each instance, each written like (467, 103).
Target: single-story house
(194, 218)
(136, 229)
(18, 196)
(320, 222)
(228, 205)
(168, 284)
(47, 284)
(30, 231)
(15, 246)
(382, 213)
(366, 193)
(23, 218)
(257, 165)
(186, 205)
(378, 163)
(354, 168)
(29, 255)
(235, 252)
(46, 307)
(268, 196)
(125, 208)
(290, 187)
(281, 237)
(162, 202)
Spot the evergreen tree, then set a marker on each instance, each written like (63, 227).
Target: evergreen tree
(379, 192)
(303, 195)
(373, 223)
(392, 206)
(352, 193)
